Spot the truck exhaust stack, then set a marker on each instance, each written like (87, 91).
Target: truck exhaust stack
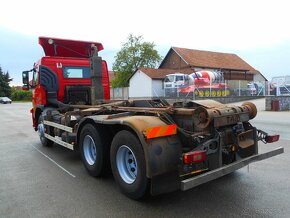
(97, 91)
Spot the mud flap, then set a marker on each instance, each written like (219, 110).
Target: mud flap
(164, 183)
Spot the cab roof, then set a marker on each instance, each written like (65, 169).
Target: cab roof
(67, 48)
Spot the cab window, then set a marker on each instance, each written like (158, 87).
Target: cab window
(179, 78)
(76, 72)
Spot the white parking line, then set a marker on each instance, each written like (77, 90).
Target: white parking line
(72, 175)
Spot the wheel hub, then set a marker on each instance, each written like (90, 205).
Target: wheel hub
(89, 149)
(40, 129)
(126, 164)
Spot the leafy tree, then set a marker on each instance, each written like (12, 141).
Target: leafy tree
(20, 95)
(134, 54)
(5, 89)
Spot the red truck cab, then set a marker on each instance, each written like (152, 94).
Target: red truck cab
(63, 75)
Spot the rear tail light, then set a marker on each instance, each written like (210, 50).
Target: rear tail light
(194, 157)
(272, 138)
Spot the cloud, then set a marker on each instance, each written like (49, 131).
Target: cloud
(18, 53)
(203, 24)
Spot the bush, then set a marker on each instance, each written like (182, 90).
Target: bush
(21, 95)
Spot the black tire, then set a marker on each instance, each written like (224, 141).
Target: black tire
(44, 141)
(97, 165)
(134, 186)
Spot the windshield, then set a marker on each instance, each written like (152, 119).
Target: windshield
(169, 78)
(179, 78)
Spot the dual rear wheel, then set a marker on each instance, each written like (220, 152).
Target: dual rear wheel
(126, 158)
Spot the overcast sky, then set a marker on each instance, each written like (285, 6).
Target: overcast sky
(257, 31)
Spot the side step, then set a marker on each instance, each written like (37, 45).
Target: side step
(214, 174)
(59, 141)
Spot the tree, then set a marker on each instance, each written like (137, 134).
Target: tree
(5, 89)
(134, 54)
(20, 95)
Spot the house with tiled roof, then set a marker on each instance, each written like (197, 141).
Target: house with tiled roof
(112, 76)
(147, 82)
(232, 66)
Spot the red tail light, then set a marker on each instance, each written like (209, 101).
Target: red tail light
(272, 138)
(194, 157)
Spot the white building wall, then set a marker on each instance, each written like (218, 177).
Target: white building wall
(140, 85)
(259, 77)
(157, 88)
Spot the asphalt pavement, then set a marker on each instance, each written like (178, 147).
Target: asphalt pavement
(36, 181)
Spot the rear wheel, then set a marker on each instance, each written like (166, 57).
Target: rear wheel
(41, 129)
(128, 164)
(94, 151)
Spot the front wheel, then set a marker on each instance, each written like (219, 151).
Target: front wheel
(41, 129)
(128, 164)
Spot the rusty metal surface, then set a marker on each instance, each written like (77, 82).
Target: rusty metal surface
(222, 116)
(252, 109)
(207, 104)
(246, 139)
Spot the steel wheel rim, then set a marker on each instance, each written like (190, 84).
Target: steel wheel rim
(89, 149)
(127, 164)
(41, 131)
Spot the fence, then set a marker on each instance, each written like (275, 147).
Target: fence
(280, 86)
(119, 93)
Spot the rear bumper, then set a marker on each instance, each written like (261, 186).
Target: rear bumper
(214, 174)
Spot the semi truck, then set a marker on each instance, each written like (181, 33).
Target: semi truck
(150, 146)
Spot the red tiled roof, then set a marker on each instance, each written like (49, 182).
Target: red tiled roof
(161, 73)
(112, 75)
(209, 59)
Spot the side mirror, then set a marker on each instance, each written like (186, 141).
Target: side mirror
(25, 80)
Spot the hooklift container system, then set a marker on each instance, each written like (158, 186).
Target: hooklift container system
(150, 145)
